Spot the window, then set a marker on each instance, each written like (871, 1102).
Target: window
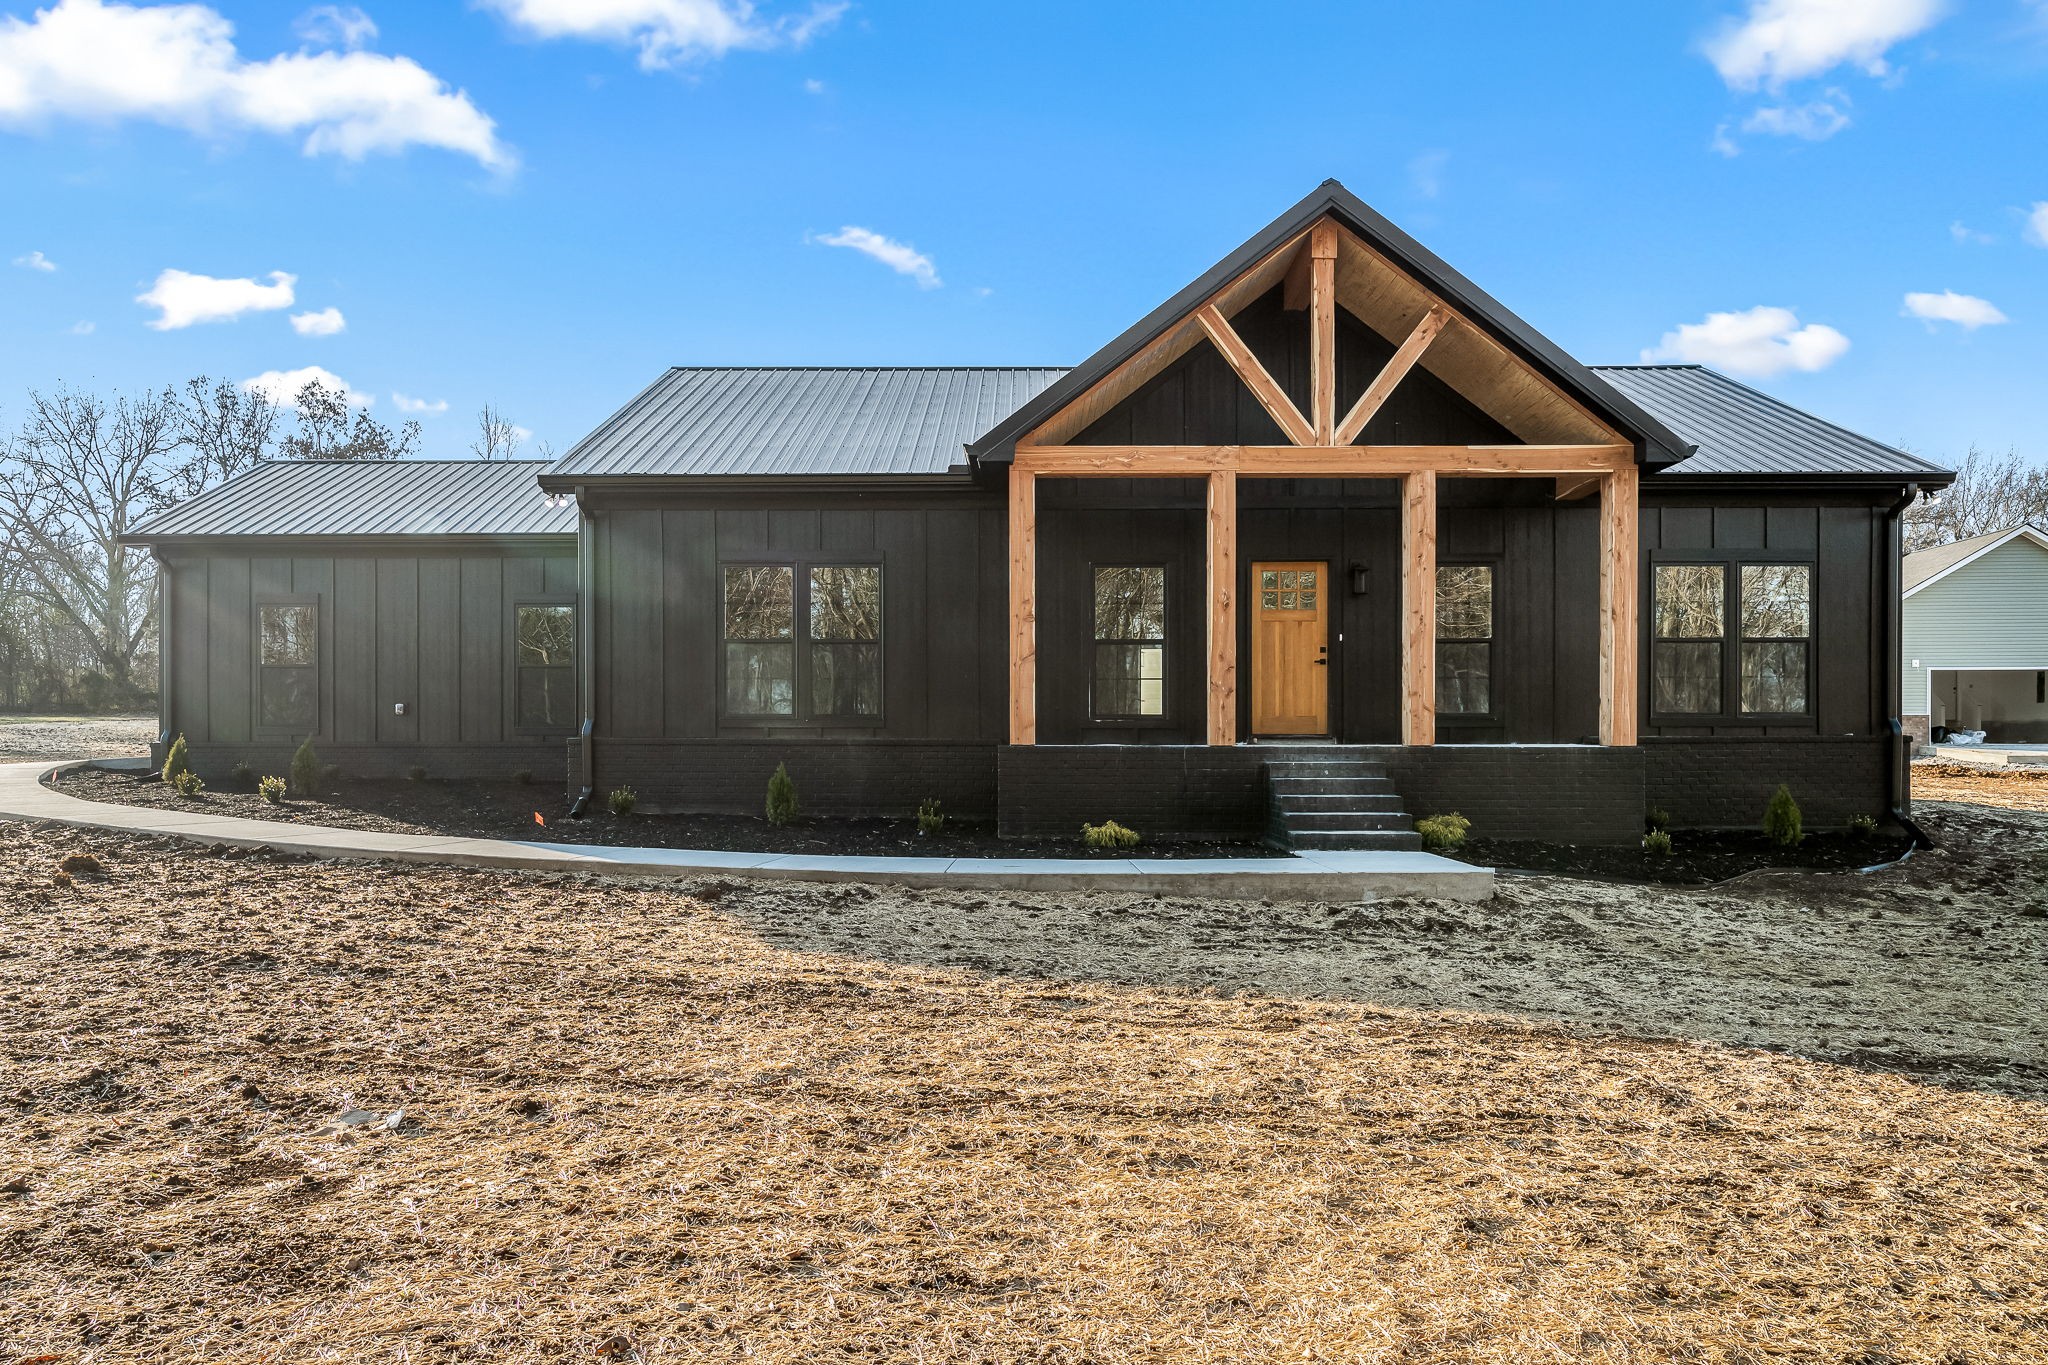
(1287, 589)
(1130, 643)
(1776, 623)
(545, 666)
(1691, 605)
(287, 666)
(1464, 639)
(838, 672)
(1771, 605)
(846, 636)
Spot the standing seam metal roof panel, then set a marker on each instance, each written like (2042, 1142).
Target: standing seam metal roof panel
(372, 498)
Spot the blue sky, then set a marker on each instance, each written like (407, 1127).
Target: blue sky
(527, 203)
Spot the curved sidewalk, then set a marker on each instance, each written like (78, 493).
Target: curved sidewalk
(1320, 876)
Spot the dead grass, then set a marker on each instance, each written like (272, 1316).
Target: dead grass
(2009, 788)
(632, 1129)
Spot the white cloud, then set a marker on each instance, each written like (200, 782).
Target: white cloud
(900, 257)
(82, 329)
(177, 65)
(1724, 144)
(1426, 173)
(419, 407)
(2037, 224)
(1965, 235)
(335, 26)
(1760, 342)
(1964, 310)
(282, 386)
(324, 323)
(668, 31)
(1816, 121)
(184, 298)
(814, 87)
(1787, 40)
(36, 260)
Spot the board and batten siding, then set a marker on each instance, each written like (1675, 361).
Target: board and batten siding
(1991, 613)
(431, 630)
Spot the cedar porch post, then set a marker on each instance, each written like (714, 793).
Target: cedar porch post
(1418, 608)
(1023, 606)
(1222, 561)
(1620, 589)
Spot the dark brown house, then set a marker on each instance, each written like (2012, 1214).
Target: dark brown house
(1329, 540)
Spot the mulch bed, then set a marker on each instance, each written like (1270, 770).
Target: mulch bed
(511, 810)
(1697, 856)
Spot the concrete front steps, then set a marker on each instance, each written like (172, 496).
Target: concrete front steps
(1320, 797)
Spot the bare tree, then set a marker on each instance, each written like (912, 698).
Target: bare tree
(79, 473)
(1989, 494)
(325, 431)
(496, 437)
(225, 428)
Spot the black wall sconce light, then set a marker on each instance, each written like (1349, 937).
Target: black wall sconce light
(1359, 582)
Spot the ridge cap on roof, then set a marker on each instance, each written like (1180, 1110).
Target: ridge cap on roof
(855, 369)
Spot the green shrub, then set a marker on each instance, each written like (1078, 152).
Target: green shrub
(272, 789)
(524, 777)
(781, 796)
(1657, 843)
(243, 774)
(306, 769)
(1108, 834)
(416, 773)
(930, 819)
(1441, 833)
(178, 761)
(622, 800)
(1781, 818)
(188, 784)
(1864, 825)
(1658, 819)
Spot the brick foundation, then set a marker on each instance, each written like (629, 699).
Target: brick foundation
(466, 762)
(867, 777)
(1726, 782)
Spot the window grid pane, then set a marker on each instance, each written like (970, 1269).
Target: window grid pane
(1776, 601)
(1691, 601)
(1130, 603)
(1130, 679)
(1774, 677)
(846, 602)
(287, 634)
(1464, 678)
(759, 602)
(547, 636)
(1129, 673)
(1464, 602)
(1688, 677)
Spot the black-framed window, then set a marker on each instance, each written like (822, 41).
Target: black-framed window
(544, 666)
(288, 665)
(802, 642)
(1128, 678)
(1464, 639)
(1765, 670)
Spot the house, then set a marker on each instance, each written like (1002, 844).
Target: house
(1330, 535)
(1974, 639)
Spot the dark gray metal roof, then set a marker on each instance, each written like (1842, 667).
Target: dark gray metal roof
(855, 421)
(372, 498)
(1660, 444)
(1741, 431)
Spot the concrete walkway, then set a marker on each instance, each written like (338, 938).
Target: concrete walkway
(1321, 876)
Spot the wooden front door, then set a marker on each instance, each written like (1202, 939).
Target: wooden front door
(1290, 648)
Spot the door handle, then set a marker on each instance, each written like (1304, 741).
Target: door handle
(1322, 663)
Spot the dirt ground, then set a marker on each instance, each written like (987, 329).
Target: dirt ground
(68, 737)
(297, 1112)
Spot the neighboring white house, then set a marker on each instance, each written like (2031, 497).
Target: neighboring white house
(1974, 637)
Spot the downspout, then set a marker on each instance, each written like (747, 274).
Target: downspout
(586, 653)
(164, 709)
(1898, 768)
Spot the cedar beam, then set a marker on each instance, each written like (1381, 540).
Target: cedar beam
(1620, 589)
(1418, 608)
(1570, 488)
(1222, 561)
(1270, 395)
(1322, 332)
(1023, 607)
(1389, 378)
(1506, 461)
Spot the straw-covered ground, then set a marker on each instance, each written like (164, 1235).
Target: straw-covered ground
(253, 1110)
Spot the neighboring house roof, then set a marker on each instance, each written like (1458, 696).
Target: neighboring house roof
(1741, 431)
(1663, 446)
(1925, 567)
(371, 498)
(812, 421)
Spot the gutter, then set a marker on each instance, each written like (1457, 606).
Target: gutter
(1898, 765)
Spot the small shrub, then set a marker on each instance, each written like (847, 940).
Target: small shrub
(1657, 843)
(930, 819)
(416, 773)
(1108, 834)
(524, 777)
(781, 796)
(272, 790)
(188, 784)
(243, 774)
(1864, 825)
(306, 769)
(621, 800)
(1441, 833)
(1658, 819)
(178, 761)
(1781, 818)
